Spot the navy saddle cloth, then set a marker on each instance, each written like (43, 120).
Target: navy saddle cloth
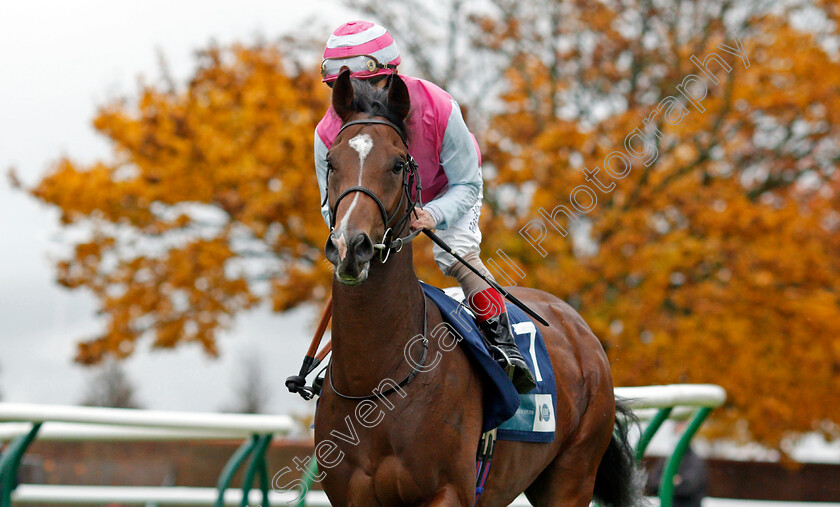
(522, 417)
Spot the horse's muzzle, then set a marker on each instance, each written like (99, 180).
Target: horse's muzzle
(350, 258)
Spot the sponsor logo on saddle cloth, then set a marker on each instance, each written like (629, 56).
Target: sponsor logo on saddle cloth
(534, 419)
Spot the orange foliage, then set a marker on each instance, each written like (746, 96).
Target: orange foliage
(718, 262)
(208, 206)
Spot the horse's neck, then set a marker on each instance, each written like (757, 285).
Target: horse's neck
(372, 323)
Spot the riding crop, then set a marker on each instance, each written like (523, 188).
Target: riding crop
(297, 383)
(510, 297)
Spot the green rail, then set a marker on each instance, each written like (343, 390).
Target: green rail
(10, 463)
(255, 447)
(308, 475)
(663, 398)
(666, 484)
(666, 490)
(661, 416)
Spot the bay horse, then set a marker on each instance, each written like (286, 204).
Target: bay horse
(384, 442)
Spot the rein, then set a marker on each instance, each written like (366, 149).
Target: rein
(411, 184)
(407, 380)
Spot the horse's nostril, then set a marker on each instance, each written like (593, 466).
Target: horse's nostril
(363, 248)
(331, 250)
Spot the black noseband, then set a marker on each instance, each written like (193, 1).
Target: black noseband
(385, 218)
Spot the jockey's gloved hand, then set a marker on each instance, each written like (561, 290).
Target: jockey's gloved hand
(423, 219)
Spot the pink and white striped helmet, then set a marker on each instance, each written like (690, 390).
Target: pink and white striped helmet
(367, 49)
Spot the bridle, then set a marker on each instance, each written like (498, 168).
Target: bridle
(410, 185)
(411, 182)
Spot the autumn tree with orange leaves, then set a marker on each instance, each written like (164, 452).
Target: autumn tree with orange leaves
(710, 256)
(697, 236)
(207, 206)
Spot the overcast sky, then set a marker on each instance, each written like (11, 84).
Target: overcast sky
(59, 60)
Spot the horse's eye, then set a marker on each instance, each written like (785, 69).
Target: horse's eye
(399, 166)
(330, 167)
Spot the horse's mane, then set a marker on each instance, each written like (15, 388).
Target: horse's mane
(374, 101)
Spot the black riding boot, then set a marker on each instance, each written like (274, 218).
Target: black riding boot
(503, 347)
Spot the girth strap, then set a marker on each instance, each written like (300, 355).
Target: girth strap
(484, 458)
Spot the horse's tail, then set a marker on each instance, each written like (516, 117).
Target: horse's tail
(620, 482)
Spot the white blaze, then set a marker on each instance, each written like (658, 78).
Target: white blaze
(341, 244)
(362, 143)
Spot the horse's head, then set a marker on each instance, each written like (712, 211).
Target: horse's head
(370, 174)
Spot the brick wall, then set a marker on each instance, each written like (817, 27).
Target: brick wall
(200, 463)
(772, 481)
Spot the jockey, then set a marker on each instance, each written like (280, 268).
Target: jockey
(449, 164)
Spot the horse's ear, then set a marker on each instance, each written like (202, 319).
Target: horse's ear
(398, 100)
(342, 95)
